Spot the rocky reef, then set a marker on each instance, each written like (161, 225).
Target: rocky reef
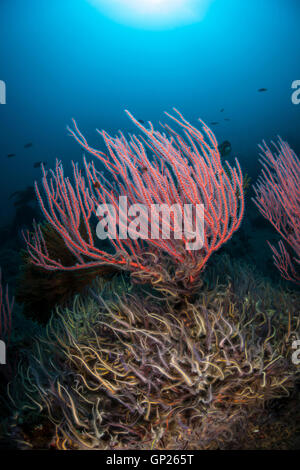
(125, 368)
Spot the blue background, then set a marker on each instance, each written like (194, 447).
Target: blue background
(62, 59)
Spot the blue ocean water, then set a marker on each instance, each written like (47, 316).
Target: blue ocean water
(64, 58)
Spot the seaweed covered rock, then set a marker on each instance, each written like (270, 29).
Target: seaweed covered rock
(40, 290)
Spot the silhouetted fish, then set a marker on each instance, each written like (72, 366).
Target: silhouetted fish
(10, 155)
(222, 110)
(23, 220)
(27, 146)
(141, 121)
(214, 123)
(227, 119)
(261, 90)
(38, 164)
(97, 185)
(224, 148)
(24, 196)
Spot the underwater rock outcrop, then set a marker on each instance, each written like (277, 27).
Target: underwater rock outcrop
(131, 372)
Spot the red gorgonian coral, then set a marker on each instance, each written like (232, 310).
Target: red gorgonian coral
(278, 199)
(153, 169)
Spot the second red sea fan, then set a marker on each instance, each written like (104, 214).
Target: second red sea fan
(278, 199)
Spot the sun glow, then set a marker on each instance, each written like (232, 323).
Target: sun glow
(155, 14)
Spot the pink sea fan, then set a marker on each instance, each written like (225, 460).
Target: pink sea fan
(152, 169)
(278, 199)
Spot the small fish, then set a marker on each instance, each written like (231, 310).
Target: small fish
(214, 123)
(24, 196)
(144, 169)
(10, 155)
(38, 164)
(141, 121)
(227, 119)
(27, 146)
(97, 185)
(222, 110)
(224, 148)
(261, 90)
